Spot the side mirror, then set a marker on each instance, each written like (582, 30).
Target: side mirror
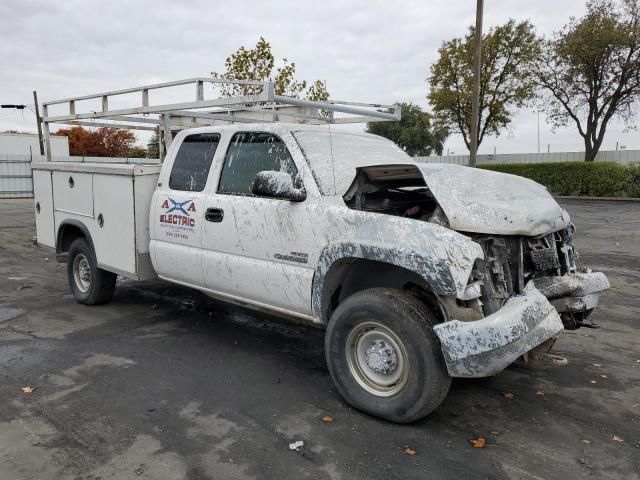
(277, 185)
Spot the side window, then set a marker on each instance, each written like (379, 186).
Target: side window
(193, 161)
(250, 153)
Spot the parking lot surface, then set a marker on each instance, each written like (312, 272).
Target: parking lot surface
(165, 383)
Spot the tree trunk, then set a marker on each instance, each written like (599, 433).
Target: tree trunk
(590, 151)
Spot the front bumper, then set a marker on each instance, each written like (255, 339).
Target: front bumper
(485, 347)
(482, 348)
(577, 292)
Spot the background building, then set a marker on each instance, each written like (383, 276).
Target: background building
(27, 144)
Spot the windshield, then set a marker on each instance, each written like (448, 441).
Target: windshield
(348, 151)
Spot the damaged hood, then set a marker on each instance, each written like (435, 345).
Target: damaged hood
(482, 201)
(474, 200)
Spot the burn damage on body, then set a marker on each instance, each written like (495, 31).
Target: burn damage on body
(395, 250)
(525, 286)
(436, 274)
(485, 347)
(394, 190)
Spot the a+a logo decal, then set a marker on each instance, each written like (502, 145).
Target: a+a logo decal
(177, 215)
(179, 206)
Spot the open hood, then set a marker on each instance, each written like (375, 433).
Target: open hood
(482, 201)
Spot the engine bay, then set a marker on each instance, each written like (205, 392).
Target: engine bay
(401, 196)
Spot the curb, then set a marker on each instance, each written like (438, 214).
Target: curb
(603, 199)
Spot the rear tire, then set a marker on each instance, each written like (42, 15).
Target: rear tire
(384, 357)
(89, 284)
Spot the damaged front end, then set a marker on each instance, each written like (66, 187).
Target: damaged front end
(512, 261)
(525, 290)
(528, 291)
(484, 347)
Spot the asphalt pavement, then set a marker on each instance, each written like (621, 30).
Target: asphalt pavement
(165, 383)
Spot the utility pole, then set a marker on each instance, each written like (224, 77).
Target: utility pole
(538, 131)
(475, 100)
(38, 122)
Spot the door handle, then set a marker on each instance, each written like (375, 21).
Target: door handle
(214, 215)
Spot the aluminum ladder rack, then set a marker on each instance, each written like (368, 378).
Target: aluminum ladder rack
(258, 103)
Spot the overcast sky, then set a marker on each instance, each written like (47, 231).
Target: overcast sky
(377, 51)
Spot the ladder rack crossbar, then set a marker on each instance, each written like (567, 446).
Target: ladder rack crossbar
(258, 103)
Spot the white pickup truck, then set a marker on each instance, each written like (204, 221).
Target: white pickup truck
(419, 272)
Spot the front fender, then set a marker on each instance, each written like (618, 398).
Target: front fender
(443, 274)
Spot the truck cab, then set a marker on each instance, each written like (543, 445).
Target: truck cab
(209, 230)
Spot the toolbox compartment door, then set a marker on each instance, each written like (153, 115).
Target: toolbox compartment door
(73, 193)
(43, 205)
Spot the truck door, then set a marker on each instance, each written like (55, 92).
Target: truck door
(178, 210)
(256, 248)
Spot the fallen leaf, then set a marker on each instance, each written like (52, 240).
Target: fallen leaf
(584, 440)
(540, 392)
(508, 396)
(594, 381)
(618, 439)
(409, 451)
(327, 419)
(604, 376)
(27, 389)
(478, 442)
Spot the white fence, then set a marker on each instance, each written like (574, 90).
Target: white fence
(15, 171)
(16, 182)
(619, 156)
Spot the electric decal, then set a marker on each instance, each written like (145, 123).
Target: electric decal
(177, 218)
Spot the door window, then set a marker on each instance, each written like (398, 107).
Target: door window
(193, 161)
(250, 153)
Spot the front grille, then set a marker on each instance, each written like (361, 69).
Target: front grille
(511, 261)
(545, 259)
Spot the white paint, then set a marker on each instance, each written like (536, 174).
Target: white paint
(45, 223)
(121, 193)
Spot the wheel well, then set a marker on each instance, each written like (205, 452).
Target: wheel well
(69, 232)
(352, 275)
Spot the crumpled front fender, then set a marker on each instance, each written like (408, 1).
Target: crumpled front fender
(484, 347)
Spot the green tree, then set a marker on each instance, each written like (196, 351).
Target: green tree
(258, 63)
(414, 133)
(506, 83)
(590, 70)
(153, 146)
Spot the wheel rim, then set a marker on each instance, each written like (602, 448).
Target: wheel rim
(82, 272)
(377, 359)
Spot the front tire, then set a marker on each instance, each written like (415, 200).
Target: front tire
(384, 357)
(89, 284)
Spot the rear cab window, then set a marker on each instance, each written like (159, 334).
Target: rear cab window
(250, 153)
(191, 166)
